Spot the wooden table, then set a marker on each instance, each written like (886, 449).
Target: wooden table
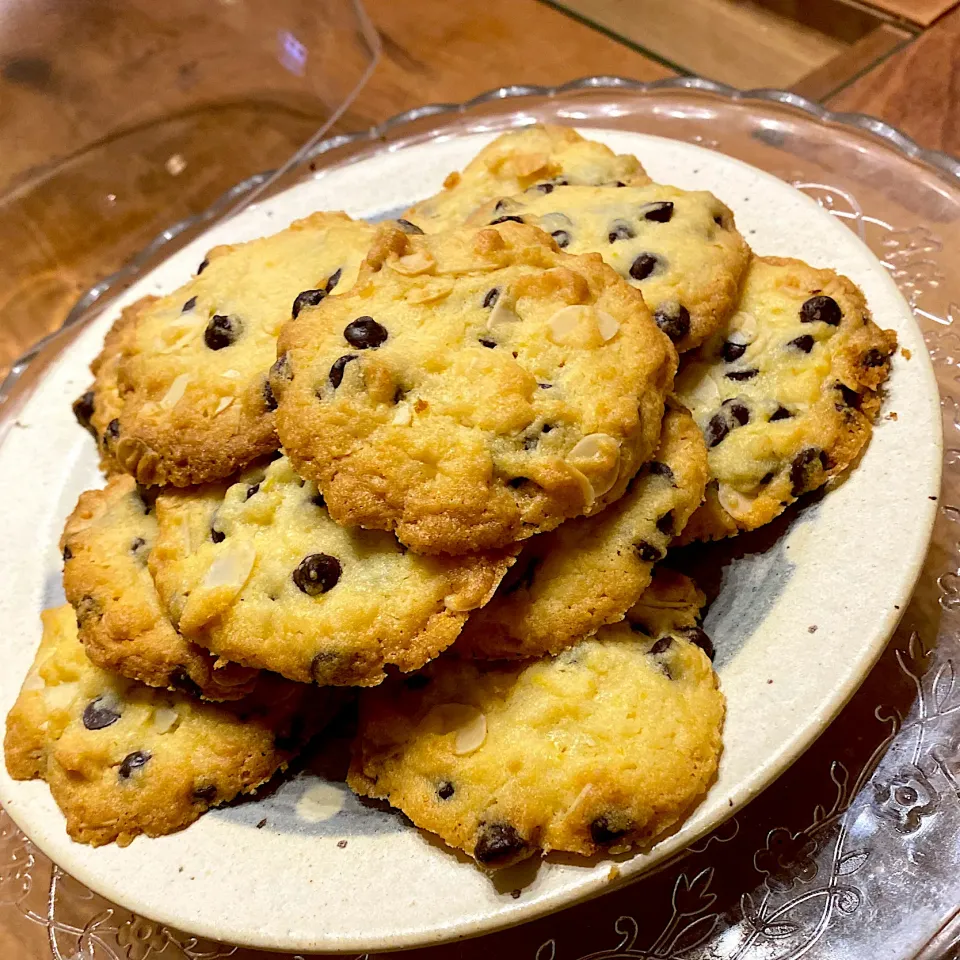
(433, 50)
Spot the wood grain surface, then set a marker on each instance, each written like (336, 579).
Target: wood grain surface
(917, 89)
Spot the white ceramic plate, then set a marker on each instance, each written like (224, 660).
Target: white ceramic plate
(847, 565)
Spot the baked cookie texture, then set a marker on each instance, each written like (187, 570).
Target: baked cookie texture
(195, 403)
(568, 583)
(672, 603)
(599, 749)
(122, 759)
(258, 573)
(122, 624)
(473, 389)
(536, 158)
(785, 394)
(680, 248)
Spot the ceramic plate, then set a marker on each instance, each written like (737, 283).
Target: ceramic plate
(846, 564)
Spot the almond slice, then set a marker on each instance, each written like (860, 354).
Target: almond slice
(176, 391)
(501, 315)
(738, 505)
(413, 264)
(165, 719)
(607, 325)
(231, 569)
(222, 405)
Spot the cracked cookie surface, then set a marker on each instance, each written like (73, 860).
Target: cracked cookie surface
(569, 582)
(122, 624)
(785, 393)
(474, 388)
(258, 573)
(680, 248)
(122, 759)
(599, 749)
(191, 375)
(537, 158)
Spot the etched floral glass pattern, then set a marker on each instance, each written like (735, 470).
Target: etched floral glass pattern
(854, 851)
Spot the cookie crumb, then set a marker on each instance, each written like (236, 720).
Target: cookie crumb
(932, 498)
(730, 802)
(896, 606)
(770, 681)
(613, 873)
(905, 353)
(262, 823)
(892, 415)
(342, 844)
(515, 894)
(812, 628)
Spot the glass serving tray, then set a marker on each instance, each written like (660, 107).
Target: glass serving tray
(855, 851)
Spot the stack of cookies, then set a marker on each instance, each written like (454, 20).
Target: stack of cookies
(434, 466)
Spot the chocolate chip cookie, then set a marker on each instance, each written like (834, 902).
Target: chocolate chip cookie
(680, 248)
(568, 583)
(599, 749)
(258, 573)
(474, 388)
(785, 394)
(537, 159)
(192, 373)
(122, 624)
(123, 759)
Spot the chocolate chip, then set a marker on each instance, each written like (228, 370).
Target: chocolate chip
(131, 762)
(717, 430)
(804, 343)
(83, 410)
(498, 843)
(506, 219)
(336, 371)
(323, 667)
(492, 296)
(269, 400)
(562, 238)
(660, 212)
(647, 552)
(766, 478)
(281, 368)
(308, 298)
(545, 386)
(698, 636)
(203, 266)
(216, 536)
(732, 351)
(445, 791)
(205, 794)
(781, 413)
(334, 277)
(673, 319)
(222, 331)
(718, 220)
(189, 305)
(112, 431)
(850, 397)
(738, 411)
(67, 553)
(136, 544)
(823, 308)
(252, 489)
(317, 574)
(88, 609)
(873, 358)
(407, 227)
(365, 333)
(620, 231)
(603, 833)
(659, 469)
(643, 266)
(662, 645)
(416, 681)
(541, 188)
(740, 375)
(800, 470)
(665, 523)
(97, 715)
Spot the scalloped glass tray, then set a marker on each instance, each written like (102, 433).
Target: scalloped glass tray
(854, 851)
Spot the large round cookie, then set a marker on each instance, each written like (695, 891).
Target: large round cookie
(123, 627)
(568, 583)
(195, 404)
(474, 388)
(536, 158)
(259, 573)
(785, 394)
(122, 759)
(680, 248)
(601, 748)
